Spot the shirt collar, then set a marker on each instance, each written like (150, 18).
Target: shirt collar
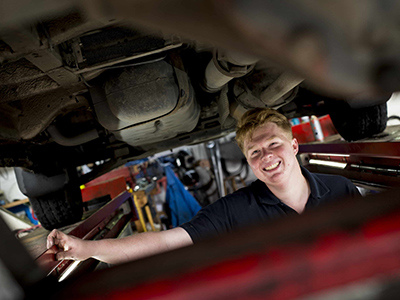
(265, 195)
(317, 187)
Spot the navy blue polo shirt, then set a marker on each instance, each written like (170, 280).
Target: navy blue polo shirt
(256, 203)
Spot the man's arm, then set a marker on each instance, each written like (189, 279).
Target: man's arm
(116, 251)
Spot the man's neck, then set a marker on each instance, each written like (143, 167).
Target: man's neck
(295, 193)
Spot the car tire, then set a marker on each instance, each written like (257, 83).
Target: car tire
(355, 124)
(56, 199)
(58, 209)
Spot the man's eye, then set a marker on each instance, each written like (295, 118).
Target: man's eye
(255, 152)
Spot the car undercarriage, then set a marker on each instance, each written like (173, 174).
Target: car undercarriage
(121, 80)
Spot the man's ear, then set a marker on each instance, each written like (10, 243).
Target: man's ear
(295, 145)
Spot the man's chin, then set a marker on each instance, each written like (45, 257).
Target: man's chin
(273, 178)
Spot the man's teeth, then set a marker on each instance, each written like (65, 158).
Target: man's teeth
(271, 167)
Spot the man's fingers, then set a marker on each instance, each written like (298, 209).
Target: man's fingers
(64, 255)
(63, 244)
(50, 238)
(61, 255)
(68, 247)
(57, 238)
(49, 243)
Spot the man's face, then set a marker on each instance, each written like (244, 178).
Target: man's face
(271, 154)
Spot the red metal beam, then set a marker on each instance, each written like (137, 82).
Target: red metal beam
(124, 171)
(341, 244)
(112, 187)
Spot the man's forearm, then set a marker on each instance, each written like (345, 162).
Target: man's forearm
(116, 251)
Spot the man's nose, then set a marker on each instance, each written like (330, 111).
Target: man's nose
(266, 155)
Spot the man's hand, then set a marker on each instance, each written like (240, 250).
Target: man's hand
(69, 247)
(117, 251)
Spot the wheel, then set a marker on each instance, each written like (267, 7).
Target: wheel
(56, 200)
(355, 124)
(58, 209)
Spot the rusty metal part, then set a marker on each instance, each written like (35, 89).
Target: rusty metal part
(20, 71)
(280, 91)
(50, 62)
(224, 66)
(126, 59)
(31, 116)
(26, 80)
(43, 111)
(21, 39)
(75, 23)
(76, 140)
(267, 86)
(22, 90)
(149, 127)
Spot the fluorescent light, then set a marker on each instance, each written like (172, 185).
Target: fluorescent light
(333, 164)
(69, 270)
(331, 154)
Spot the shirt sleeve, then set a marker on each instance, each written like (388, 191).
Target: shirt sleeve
(213, 220)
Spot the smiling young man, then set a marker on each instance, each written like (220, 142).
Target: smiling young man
(283, 187)
(271, 155)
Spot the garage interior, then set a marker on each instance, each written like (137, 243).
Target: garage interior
(138, 206)
(345, 250)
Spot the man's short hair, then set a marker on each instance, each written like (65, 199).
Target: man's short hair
(256, 117)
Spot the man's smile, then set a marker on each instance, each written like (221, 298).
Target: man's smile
(271, 167)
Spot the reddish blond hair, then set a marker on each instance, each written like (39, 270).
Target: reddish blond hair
(257, 117)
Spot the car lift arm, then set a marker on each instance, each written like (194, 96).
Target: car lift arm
(370, 164)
